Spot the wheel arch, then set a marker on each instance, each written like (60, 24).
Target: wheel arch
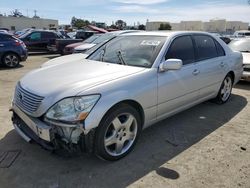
(136, 105)
(7, 52)
(232, 74)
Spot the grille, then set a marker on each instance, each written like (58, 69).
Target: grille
(247, 69)
(26, 100)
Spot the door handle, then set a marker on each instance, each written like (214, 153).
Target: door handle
(1, 45)
(222, 64)
(196, 72)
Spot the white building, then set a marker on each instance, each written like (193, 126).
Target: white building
(153, 26)
(232, 26)
(218, 26)
(19, 23)
(191, 25)
(215, 25)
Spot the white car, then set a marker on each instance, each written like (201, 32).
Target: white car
(101, 104)
(243, 45)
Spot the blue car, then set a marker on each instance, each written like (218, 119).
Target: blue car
(12, 50)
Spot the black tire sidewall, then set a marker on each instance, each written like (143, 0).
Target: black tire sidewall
(13, 55)
(100, 150)
(219, 98)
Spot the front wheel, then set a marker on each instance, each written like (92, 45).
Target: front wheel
(118, 132)
(225, 90)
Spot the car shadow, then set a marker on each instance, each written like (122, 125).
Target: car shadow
(2, 67)
(157, 145)
(243, 85)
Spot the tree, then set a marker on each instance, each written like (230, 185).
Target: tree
(16, 13)
(165, 26)
(79, 23)
(113, 27)
(120, 24)
(141, 27)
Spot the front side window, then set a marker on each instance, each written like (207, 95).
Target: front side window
(206, 48)
(130, 50)
(35, 36)
(181, 48)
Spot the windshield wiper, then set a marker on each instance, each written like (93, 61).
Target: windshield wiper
(245, 51)
(119, 55)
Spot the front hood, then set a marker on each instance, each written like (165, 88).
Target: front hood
(84, 46)
(68, 79)
(65, 59)
(74, 45)
(246, 58)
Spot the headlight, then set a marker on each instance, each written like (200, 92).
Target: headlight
(72, 109)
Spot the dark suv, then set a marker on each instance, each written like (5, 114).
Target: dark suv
(12, 50)
(37, 40)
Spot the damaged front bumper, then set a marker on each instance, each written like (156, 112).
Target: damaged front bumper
(48, 135)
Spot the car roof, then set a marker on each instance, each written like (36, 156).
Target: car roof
(167, 33)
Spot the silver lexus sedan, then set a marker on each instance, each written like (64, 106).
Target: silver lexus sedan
(101, 103)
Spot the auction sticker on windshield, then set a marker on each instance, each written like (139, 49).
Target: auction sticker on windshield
(150, 42)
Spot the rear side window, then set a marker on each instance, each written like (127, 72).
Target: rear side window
(7, 37)
(206, 48)
(181, 48)
(48, 35)
(220, 50)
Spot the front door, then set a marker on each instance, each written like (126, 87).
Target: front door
(177, 89)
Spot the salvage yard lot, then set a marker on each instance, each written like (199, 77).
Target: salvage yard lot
(205, 146)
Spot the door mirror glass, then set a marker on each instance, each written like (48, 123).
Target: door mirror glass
(170, 64)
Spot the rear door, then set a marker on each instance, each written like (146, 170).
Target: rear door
(178, 89)
(48, 38)
(210, 60)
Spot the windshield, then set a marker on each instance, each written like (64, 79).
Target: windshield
(103, 38)
(92, 38)
(130, 50)
(240, 45)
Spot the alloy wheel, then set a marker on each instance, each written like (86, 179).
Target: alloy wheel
(120, 134)
(226, 89)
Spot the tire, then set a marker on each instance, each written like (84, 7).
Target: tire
(11, 60)
(225, 90)
(117, 133)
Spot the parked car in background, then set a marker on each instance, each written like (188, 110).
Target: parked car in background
(222, 37)
(12, 50)
(69, 49)
(39, 40)
(105, 37)
(3, 31)
(101, 104)
(241, 33)
(80, 36)
(243, 45)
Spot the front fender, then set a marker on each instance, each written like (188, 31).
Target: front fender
(103, 105)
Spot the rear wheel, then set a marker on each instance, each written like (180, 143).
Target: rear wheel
(225, 90)
(11, 60)
(118, 132)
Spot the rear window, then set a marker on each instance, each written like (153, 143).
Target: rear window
(7, 37)
(206, 48)
(220, 50)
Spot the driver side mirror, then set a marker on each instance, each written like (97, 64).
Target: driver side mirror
(170, 64)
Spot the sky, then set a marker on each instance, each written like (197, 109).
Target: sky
(109, 11)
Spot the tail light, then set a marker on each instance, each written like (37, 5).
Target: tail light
(20, 43)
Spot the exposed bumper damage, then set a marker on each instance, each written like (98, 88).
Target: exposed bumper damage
(50, 136)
